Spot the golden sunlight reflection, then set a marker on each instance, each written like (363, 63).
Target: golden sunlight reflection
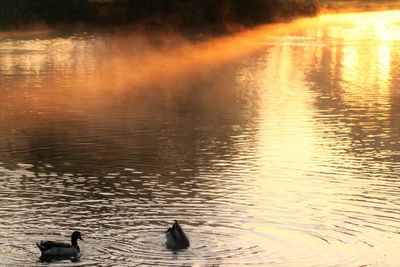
(359, 64)
(351, 69)
(367, 41)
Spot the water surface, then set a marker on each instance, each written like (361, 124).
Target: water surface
(277, 147)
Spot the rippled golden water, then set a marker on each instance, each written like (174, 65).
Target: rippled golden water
(274, 147)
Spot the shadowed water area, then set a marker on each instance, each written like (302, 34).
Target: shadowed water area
(275, 147)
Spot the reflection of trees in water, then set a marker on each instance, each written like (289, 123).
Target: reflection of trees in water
(357, 114)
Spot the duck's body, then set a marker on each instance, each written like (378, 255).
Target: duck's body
(176, 237)
(52, 249)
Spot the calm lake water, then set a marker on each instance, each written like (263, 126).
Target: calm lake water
(275, 147)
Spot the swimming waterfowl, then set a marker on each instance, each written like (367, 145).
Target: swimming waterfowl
(52, 249)
(176, 237)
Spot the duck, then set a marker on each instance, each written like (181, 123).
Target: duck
(176, 237)
(53, 249)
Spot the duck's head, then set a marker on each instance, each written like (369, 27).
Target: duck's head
(76, 235)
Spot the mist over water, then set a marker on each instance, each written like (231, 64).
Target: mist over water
(277, 146)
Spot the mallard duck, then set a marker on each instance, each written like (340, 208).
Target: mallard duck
(52, 249)
(176, 237)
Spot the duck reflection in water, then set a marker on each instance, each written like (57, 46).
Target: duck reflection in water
(52, 250)
(176, 237)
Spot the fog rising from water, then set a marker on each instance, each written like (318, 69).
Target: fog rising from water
(122, 61)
